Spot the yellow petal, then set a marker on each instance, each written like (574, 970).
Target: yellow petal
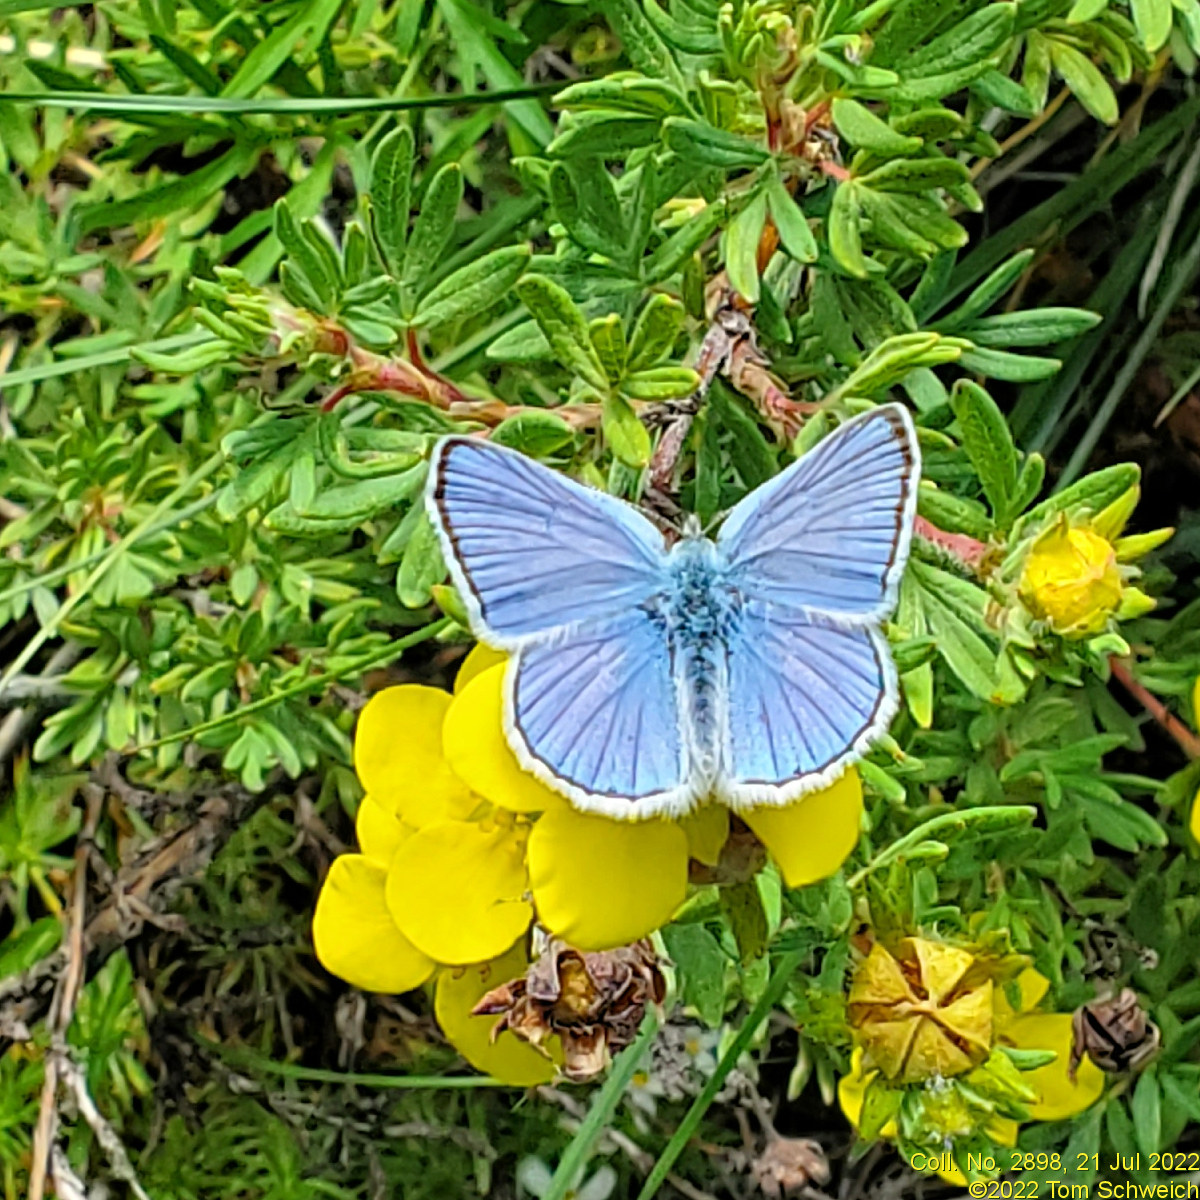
(1032, 985)
(852, 1090)
(599, 883)
(456, 891)
(707, 830)
(508, 1058)
(355, 936)
(811, 838)
(1058, 1098)
(398, 755)
(379, 830)
(480, 659)
(475, 745)
(1194, 824)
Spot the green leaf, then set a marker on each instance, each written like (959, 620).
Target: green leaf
(185, 362)
(660, 383)
(627, 437)
(916, 174)
(171, 199)
(1093, 493)
(691, 39)
(21, 951)
(1118, 822)
(844, 229)
(865, 131)
(743, 907)
(958, 641)
(988, 443)
(964, 46)
(1086, 10)
(585, 201)
(996, 88)
(564, 327)
(469, 31)
(751, 456)
(889, 225)
(1152, 19)
(1032, 327)
(1146, 1109)
(656, 330)
(707, 146)
(893, 359)
(642, 43)
(308, 25)
(634, 93)
(1014, 368)
(700, 964)
(794, 232)
(953, 513)
(307, 256)
(741, 247)
(538, 434)
(422, 566)
(880, 1105)
(473, 289)
(431, 233)
(683, 243)
(1029, 482)
(335, 509)
(997, 283)
(608, 341)
(603, 134)
(391, 181)
(1083, 77)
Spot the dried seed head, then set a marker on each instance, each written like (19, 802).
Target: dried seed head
(923, 1012)
(788, 1165)
(1114, 1032)
(593, 1002)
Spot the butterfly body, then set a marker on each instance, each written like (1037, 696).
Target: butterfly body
(644, 679)
(699, 615)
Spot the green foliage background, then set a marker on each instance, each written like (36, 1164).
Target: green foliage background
(254, 260)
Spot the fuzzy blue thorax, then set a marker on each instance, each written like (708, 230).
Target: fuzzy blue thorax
(699, 613)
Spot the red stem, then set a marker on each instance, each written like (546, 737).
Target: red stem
(1183, 737)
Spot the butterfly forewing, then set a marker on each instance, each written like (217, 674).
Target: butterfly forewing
(830, 534)
(532, 551)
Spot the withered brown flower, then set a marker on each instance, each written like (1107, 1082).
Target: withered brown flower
(1114, 1032)
(789, 1165)
(593, 1002)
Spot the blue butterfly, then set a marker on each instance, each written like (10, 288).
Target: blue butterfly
(643, 680)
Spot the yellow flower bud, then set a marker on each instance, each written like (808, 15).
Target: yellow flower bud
(923, 1012)
(1071, 580)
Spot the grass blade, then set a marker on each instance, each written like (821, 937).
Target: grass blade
(579, 1150)
(780, 977)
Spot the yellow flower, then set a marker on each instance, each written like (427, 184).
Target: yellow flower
(1050, 1094)
(1073, 576)
(1071, 580)
(461, 851)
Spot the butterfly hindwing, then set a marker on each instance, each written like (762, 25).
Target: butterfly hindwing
(830, 534)
(531, 551)
(806, 700)
(593, 713)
